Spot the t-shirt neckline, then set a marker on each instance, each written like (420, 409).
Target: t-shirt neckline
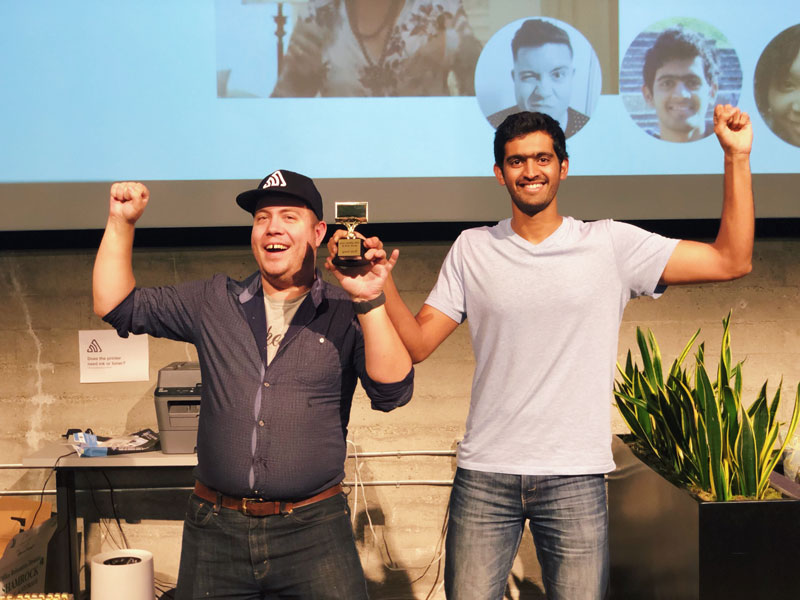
(551, 240)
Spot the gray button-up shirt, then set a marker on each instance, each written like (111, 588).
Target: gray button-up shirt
(278, 431)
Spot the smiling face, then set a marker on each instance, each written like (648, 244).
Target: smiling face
(531, 173)
(285, 238)
(543, 79)
(681, 96)
(783, 101)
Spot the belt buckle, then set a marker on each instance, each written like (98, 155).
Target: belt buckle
(261, 501)
(244, 504)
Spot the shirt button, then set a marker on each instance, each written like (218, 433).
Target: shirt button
(261, 423)
(266, 384)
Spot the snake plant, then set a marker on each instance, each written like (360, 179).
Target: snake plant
(699, 429)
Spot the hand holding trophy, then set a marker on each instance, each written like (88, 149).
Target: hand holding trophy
(350, 249)
(372, 265)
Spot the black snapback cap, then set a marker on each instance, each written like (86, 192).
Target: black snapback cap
(283, 183)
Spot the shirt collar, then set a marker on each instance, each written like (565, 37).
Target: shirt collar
(252, 288)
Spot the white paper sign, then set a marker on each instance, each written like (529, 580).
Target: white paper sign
(104, 356)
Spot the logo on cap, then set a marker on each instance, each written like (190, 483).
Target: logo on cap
(274, 180)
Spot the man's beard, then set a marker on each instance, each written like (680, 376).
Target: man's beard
(531, 209)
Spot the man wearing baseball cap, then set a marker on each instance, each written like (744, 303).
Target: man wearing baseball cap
(280, 354)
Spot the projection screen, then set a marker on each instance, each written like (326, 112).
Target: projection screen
(393, 102)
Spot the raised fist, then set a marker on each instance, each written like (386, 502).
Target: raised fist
(128, 201)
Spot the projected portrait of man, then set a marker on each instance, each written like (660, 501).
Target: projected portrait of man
(680, 73)
(777, 85)
(543, 76)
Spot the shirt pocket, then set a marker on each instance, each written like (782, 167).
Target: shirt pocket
(318, 371)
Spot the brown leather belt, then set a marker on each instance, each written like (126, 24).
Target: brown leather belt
(256, 507)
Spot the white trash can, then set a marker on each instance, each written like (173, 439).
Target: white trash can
(122, 575)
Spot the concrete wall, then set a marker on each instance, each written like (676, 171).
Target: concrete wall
(45, 300)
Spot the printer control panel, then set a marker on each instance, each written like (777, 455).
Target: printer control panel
(180, 391)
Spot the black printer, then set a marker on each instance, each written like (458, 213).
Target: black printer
(177, 399)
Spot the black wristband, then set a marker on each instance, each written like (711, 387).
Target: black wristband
(362, 308)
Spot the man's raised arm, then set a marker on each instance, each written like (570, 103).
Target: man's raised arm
(730, 255)
(422, 334)
(112, 278)
(386, 358)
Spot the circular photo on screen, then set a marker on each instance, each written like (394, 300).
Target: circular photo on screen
(541, 65)
(777, 85)
(673, 75)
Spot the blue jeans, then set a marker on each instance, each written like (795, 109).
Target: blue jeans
(568, 520)
(307, 554)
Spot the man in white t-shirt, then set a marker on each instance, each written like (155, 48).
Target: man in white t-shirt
(544, 295)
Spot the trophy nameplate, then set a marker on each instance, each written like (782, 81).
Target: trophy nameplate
(349, 249)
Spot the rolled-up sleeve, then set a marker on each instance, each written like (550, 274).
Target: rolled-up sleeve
(388, 396)
(121, 316)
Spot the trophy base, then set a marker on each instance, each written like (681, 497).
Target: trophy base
(345, 263)
(349, 253)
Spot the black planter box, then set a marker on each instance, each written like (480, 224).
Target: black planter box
(666, 544)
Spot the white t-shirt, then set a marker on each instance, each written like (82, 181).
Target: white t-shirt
(279, 316)
(544, 320)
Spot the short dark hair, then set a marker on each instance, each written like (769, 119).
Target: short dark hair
(535, 33)
(774, 64)
(677, 43)
(523, 123)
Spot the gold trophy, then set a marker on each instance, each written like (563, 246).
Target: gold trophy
(350, 250)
